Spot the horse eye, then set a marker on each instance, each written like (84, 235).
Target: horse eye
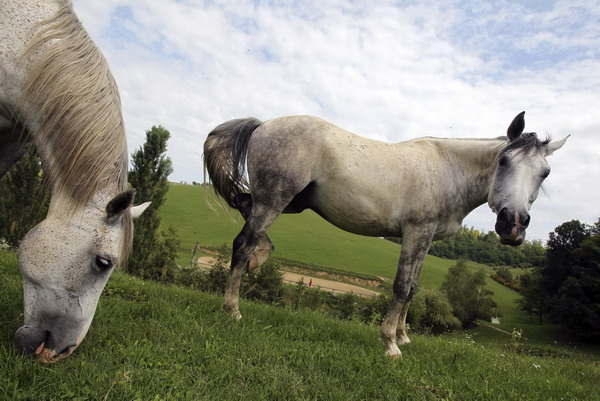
(503, 161)
(103, 264)
(545, 174)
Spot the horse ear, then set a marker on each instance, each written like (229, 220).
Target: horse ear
(136, 211)
(555, 145)
(119, 204)
(515, 129)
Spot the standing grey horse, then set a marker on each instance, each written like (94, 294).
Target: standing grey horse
(58, 95)
(419, 190)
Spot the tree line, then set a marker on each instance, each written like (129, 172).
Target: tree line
(475, 245)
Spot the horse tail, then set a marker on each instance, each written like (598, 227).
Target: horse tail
(225, 152)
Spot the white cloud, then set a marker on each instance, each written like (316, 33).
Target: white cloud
(382, 70)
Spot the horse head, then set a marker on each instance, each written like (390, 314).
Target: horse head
(66, 261)
(520, 171)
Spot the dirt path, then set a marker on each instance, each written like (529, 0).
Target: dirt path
(317, 282)
(328, 285)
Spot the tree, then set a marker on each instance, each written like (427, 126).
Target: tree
(534, 299)
(577, 303)
(504, 273)
(562, 242)
(431, 312)
(24, 201)
(467, 294)
(153, 253)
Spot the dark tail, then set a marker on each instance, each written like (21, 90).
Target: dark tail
(225, 151)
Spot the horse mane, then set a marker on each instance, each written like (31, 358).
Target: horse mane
(77, 112)
(526, 143)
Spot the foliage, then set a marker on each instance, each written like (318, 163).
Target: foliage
(568, 286)
(24, 200)
(474, 245)
(534, 300)
(431, 312)
(562, 242)
(503, 275)
(153, 253)
(577, 302)
(467, 294)
(265, 284)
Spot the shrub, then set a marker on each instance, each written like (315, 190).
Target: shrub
(431, 312)
(468, 296)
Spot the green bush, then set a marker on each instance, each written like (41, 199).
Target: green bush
(266, 284)
(468, 296)
(431, 312)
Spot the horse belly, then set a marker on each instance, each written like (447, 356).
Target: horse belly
(358, 214)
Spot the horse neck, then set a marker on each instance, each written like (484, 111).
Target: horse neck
(477, 161)
(71, 109)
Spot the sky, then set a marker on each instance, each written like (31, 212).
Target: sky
(387, 70)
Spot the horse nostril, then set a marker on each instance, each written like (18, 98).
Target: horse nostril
(503, 213)
(526, 220)
(30, 339)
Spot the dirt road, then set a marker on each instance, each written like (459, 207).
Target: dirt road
(317, 282)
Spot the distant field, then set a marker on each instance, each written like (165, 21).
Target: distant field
(306, 236)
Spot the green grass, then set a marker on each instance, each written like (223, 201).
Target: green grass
(309, 238)
(150, 341)
(306, 237)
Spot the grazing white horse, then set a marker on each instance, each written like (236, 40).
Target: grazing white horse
(419, 190)
(58, 95)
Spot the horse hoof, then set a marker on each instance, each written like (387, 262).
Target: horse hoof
(394, 353)
(403, 341)
(234, 313)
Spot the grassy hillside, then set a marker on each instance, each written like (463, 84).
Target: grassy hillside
(151, 341)
(307, 237)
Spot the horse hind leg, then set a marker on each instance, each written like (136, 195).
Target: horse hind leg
(264, 248)
(251, 247)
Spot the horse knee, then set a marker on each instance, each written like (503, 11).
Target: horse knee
(261, 253)
(242, 245)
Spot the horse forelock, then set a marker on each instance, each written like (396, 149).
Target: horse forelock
(526, 143)
(72, 99)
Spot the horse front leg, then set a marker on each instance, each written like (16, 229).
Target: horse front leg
(415, 244)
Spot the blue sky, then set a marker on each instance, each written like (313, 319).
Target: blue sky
(389, 70)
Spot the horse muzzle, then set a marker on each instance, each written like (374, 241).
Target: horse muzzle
(511, 226)
(42, 343)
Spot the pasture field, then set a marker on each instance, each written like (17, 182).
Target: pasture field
(152, 341)
(306, 236)
(309, 238)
